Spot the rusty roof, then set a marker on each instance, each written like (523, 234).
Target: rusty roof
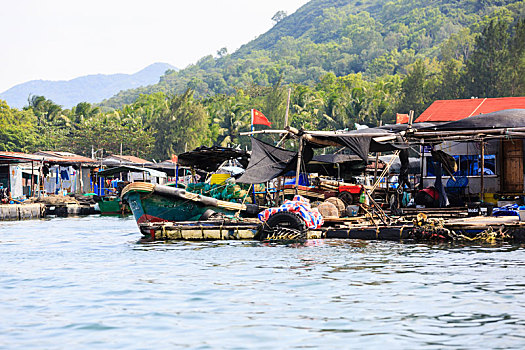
(128, 159)
(65, 157)
(19, 157)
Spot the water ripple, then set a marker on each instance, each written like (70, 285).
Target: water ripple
(86, 283)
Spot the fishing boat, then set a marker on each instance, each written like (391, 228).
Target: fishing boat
(108, 199)
(159, 203)
(111, 205)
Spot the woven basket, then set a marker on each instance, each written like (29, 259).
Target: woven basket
(339, 204)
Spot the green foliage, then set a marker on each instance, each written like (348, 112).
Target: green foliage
(418, 87)
(342, 37)
(16, 129)
(485, 70)
(183, 125)
(109, 132)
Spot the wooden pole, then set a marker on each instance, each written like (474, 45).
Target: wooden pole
(298, 168)
(482, 178)
(32, 182)
(375, 167)
(421, 166)
(282, 182)
(39, 178)
(79, 178)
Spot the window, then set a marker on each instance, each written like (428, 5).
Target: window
(489, 166)
(468, 165)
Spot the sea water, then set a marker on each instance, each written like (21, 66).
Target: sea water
(84, 283)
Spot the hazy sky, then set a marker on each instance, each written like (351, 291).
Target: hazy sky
(64, 39)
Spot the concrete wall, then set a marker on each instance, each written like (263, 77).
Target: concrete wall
(86, 180)
(21, 211)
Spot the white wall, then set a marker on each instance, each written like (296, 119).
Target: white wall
(15, 180)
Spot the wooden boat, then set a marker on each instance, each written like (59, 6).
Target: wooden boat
(159, 203)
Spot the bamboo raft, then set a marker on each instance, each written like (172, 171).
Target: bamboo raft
(485, 229)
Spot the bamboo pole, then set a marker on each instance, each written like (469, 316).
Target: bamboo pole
(423, 133)
(322, 133)
(267, 131)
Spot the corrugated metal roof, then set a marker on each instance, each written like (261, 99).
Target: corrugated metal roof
(19, 157)
(451, 110)
(130, 159)
(66, 156)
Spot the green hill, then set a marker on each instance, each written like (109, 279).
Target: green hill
(374, 37)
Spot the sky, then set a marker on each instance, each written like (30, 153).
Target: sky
(65, 39)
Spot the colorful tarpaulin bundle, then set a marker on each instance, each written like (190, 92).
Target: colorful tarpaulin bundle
(300, 206)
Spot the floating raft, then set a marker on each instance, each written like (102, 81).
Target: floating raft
(475, 228)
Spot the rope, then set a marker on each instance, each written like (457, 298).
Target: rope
(243, 200)
(385, 171)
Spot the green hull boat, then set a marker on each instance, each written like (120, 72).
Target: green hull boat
(112, 206)
(158, 203)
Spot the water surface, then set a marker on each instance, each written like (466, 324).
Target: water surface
(84, 283)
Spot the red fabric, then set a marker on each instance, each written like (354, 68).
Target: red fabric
(259, 118)
(452, 110)
(401, 118)
(432, 192)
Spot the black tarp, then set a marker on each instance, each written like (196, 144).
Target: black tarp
(210, 158)
(508, 118)
(336, 165)
(358, 145)
(362, 145)
(268, 162)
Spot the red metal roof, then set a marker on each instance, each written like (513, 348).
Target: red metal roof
(451, 110)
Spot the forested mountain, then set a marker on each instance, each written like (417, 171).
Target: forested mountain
(90, 88)
(375, 37)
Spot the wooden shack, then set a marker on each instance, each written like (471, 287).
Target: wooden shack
(503, 158)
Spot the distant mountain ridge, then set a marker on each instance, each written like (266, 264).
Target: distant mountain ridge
(90, 88)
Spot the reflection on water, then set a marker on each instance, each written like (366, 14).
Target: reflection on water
(69, 283)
